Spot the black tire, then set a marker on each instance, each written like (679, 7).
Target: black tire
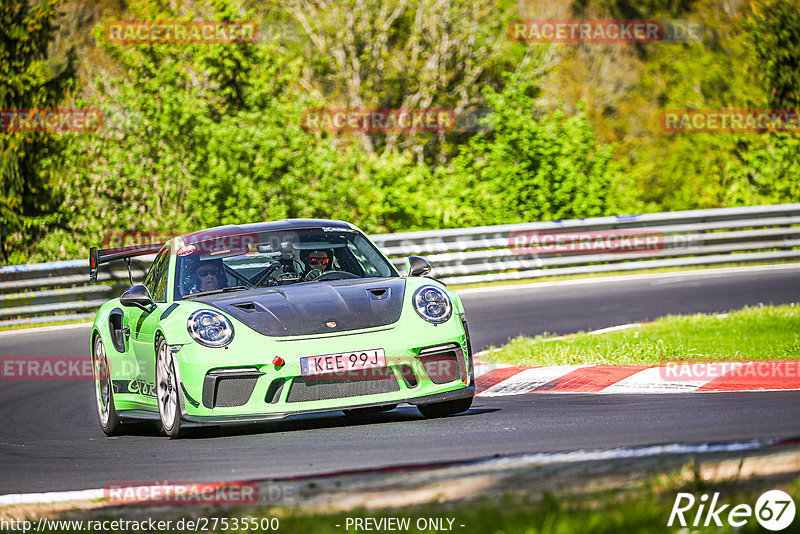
(370, 410)
(443, 409)
(167, 394)
(104, 391)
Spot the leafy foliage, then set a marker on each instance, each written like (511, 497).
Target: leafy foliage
(30, 78)
(774, 35)
(528, 168)
(207, 134)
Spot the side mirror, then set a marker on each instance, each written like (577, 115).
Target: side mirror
(416, 266)
(139, 297)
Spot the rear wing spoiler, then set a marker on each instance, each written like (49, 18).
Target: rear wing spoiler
(99, 256)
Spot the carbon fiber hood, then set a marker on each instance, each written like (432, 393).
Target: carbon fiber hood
(315, 307)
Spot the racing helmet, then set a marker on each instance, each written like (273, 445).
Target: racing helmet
(198, 271)
(320, 259)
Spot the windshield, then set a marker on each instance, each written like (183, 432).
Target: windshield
(274, 258)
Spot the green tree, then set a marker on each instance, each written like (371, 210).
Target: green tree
(774, 36)
(30, 78)
(529, 166)
(771, 165)
(201, 135)
(400, 54)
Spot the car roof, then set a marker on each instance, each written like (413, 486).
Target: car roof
(283, 224)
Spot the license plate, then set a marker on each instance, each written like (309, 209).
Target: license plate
(356, 360)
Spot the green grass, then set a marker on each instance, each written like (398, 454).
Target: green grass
(609, 274)
(608, 512)
(761, 333)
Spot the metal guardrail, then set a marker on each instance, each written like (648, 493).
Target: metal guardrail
(38, 292)
(59, 290)
(686, 238)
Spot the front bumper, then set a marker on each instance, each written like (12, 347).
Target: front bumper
(456, 394)
(200, 369)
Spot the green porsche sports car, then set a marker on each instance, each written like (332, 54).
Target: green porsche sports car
(240, 324)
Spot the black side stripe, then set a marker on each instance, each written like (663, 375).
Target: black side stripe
(169, 310)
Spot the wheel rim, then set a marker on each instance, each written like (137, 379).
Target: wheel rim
(167, 387)
(102, 380)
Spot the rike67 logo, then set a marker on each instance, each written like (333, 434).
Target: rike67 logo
(774, 510)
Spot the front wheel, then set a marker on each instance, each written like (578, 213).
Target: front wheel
(104, 391)
(167, 391)
(443, 409)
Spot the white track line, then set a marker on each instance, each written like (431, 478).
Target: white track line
(614, 329)
(629, 277)
(630, 452)
(45, 329)
(525, 459)
(50, 497)
(481, 368)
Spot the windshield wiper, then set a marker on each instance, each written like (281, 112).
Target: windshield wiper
(215, 291)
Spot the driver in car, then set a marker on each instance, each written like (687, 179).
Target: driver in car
(210, 275)
(316, 262)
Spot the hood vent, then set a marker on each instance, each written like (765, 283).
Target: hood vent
(250, 306)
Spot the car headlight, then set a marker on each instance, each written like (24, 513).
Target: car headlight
(210, 328)
(432, 304)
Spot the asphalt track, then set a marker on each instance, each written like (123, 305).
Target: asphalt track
(50, 439)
